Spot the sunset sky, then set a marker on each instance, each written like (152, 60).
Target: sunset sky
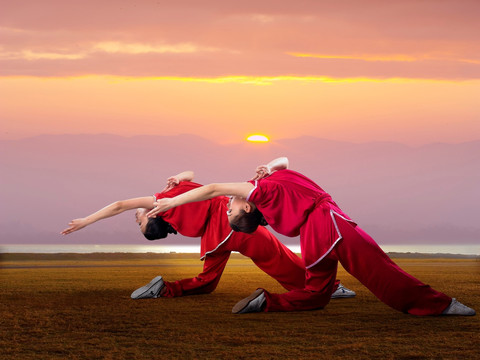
(406, 71)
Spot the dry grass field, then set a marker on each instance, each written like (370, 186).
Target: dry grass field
(79, 307)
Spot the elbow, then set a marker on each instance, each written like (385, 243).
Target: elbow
(278, 164)
(214, 190)
(118, 207)
(186, 176)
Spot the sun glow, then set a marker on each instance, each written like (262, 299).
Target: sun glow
(257, 138)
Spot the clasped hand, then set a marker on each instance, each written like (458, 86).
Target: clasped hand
(261, 172)
(160, 205)
(172, 181)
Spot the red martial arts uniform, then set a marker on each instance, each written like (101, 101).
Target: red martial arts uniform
(208, 220)
(294, 205)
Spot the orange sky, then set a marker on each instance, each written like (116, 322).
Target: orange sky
(355, 71)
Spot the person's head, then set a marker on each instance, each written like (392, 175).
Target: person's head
(244, 216)
(153, 228)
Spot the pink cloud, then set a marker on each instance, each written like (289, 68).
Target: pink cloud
(219, 64)
(58, 38)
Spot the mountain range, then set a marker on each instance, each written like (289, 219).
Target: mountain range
(400, 194)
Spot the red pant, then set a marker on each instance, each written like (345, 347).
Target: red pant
(360, 255)
(265, 250)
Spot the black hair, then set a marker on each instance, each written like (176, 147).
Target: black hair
(248, 222)
(157, 228)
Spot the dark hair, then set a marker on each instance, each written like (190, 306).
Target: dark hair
(248, 222)
(157, 228)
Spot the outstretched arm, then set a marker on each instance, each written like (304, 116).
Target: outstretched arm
(202, 193)
(274, 165)
(174, 180)
(108, 211)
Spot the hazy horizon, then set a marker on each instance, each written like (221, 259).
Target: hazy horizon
(241, 140)
(459, 250)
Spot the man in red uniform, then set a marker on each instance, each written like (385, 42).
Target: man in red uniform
(217, 242)
(208, 220)
(294, 205)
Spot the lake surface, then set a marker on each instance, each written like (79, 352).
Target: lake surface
(71, 248)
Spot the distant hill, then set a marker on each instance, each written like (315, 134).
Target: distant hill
(124, 256)
(415, 255)
(399, 194)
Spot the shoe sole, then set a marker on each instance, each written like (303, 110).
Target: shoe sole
(137, 294)
(244, 302)
(343, 296)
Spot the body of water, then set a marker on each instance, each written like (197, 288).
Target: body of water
(469, 249)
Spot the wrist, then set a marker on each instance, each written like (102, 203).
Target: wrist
(173, 203)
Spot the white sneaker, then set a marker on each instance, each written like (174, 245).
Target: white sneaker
(149, 291)
(457, 308)
(343, 292)
(252, 303)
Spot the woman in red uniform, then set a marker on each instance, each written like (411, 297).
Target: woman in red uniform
(294, 205)
(208, 220)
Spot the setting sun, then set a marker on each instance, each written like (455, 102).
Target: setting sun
(258, 138)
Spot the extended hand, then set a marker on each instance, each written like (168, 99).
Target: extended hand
(75, 225)
(161, 205)
(172, 181)
(261, 172)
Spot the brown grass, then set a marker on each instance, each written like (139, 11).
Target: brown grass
(87, 313)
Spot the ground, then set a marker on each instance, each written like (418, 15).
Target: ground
(79, 307)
